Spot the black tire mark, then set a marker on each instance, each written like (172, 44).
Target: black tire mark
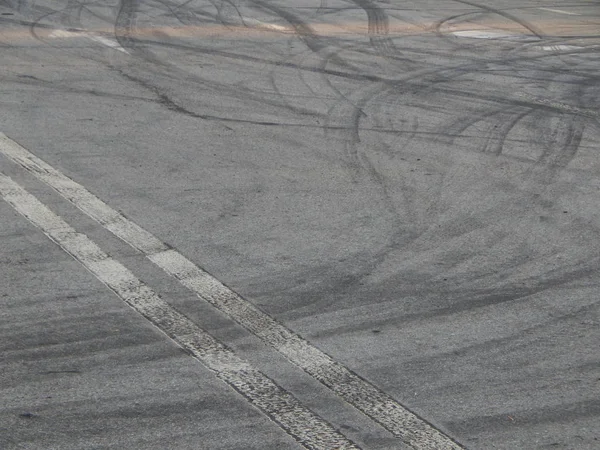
(378, 27)
(183, 14)
(37, 23)
(500, 345)
(451, 132)
(497, 133)
(460, 301)
(559, 152)
(530, 27)
(566, 138)
(286, 99)
(451, 40)
(70, 15)
(304, 31)
(497, 138)
(125, 23)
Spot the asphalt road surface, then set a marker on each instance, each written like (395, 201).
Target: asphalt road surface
(276, 224)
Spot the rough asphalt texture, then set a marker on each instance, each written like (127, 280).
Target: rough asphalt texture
(420, 203)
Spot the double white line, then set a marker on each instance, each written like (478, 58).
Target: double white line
(306, 427)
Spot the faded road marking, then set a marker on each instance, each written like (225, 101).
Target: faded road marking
(358, 392)
(279, 405)
(560, 11)
(56, 34)
(257, 29)
(485, 34)
(266, 26)
(559, 47)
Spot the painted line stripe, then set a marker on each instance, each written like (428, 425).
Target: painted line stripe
(560, 11)
(559, 48)
(267, 26)
(490, 34)
(354, 389)
(64, 34)
(279, 405)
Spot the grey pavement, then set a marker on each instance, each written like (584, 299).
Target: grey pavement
(412, 187)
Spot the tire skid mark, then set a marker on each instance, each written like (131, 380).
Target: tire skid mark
(378, 27)
(185, 15)
(311, 66)
(449, 39)
(125, 23)
(454, 130)
(497, 138)
(368, 97)
(528, 26)
(566, 139)
(125, 27)
(503, 344)
(70, 15)
(498, 296)
(523, 110)
(585, 409)
(302, 29)
(362, 168)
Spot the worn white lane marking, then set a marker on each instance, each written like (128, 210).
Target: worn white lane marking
(249, 22)
(560, 11)
(354, 389)
(559, 48)
(284, 409)
(57, 34)
(490, 34)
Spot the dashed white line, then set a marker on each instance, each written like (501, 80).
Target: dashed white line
(354, 389)
(560, 11)
(284, 409)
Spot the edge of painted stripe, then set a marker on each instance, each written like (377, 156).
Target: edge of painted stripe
(279, 405)
(354, 389)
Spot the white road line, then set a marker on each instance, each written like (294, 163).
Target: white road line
(491, 34)
(355, 390)
(559, 48)
(249, 22)
(284, 409)
(92, 36)
(108, 42)
(560, 11)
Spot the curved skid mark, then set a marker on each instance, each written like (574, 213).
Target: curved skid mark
(37, 23)
(566, 138)
(67, 18)
(453, 131)
(304, 31)
(496, 142)
(291, 100)
(378, 27)
(183, 14)
(450, 39)
(124, 24)
(408, 201)
(125, 30)
(533, 29)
